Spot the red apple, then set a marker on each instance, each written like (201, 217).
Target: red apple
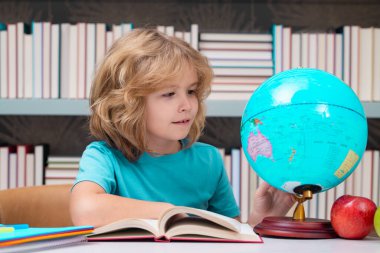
(352, 216)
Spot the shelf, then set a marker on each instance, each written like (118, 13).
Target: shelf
(73, 107)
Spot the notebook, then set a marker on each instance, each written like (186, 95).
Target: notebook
(37, 246)
(33, 234)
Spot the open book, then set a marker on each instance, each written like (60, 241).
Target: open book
(178, 224)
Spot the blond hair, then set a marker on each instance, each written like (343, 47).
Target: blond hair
(135, 66)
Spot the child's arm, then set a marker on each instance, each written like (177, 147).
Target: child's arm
(270, 202)
(90, 205)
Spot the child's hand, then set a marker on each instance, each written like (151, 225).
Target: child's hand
(269, 201)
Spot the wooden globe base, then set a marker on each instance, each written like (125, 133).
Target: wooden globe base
(290, 228)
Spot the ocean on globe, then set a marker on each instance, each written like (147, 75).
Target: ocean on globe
(304, 129)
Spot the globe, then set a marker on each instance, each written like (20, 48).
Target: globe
(304, 129)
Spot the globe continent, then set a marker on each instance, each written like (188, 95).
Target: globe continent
(304, 129)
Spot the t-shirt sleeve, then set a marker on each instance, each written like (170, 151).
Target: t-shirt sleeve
(223, 200)
(96, 166)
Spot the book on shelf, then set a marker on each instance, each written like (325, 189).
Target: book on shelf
(237, 55)
(367, 174)
(12, 60)
(366, 53)
(313, 50)
(12, 167)
(194, 33)
(37, 31)
(338, 57)
(236, 170)
(63, 159)
(230, 95)
(81, 58)
(55, 181)
(20, 59)
(304, 50)
(54, 60)
(221, 71)
(286, 48)
(330, 199)
(241, 37)
(90, 56)
(28, 62)
(228, 166)
(376, 64)
(22, 150)
(41, 152)
(376, 177)
(244, 187)
(3, 61)
(178, 224)
(61, 173)
(238, 79)
(321, 51)
(235, 45)
(64, 71)
(330, 52)
(5, 173)
(295, 50)
(63, 166)
(46, 64)
(30, 162)
(277, 47)
(354, 63)
(234, 87)
(241, 63)
(73, 86)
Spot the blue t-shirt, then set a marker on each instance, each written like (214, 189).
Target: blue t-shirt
(193, 177)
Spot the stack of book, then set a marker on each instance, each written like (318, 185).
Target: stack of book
(61, 170)
(22, 238)
(22, 165)
(241, 62)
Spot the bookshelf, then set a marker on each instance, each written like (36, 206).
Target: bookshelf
(73, 107)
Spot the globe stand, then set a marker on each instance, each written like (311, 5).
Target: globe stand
(297, 226)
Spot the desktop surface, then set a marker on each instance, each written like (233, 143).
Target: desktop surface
(270, 245)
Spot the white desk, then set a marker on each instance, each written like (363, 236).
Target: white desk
(270, 245)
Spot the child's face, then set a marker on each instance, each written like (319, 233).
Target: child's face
(170, 112)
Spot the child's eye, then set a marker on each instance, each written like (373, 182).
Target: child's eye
(168, 94)
(191, 92)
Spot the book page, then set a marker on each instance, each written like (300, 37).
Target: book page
(123, 226)
(171, 216)
(196, 228)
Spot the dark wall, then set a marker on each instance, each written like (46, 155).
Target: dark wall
(211, 15)
(69, 135)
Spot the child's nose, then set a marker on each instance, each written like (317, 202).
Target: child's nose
(185, 104)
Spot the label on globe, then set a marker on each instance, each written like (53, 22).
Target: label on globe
(347, 164)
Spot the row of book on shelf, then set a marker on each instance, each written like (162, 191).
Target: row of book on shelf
(45, 60)
(364, 181)
(352, 53)
(22, 165)
(244, 181)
